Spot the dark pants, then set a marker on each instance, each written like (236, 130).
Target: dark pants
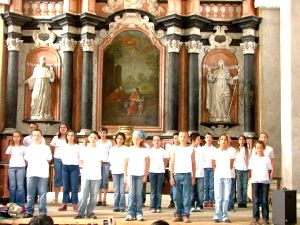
(260, 198)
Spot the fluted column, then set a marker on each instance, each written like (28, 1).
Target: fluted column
(249, 47)
(13, 45)
(88, 46)
(194, 47)
(67, 46)
(172, 79)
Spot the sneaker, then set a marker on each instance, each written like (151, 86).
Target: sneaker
(122, 210)
(158, 210)
(193, 209)
(227, 221)
(91, 216)
(198, 209)
(140, 217)
(211, 204)
(265, 222)
(27, 215)
(254, 221)
(116, 210)
(104, 203)
(205, 204)
(75, 207)
(23, 210)
(216, 221)
(153, 210)
(78, 216)
(172, 205)
(99, 203)
(63, 207)
(186, 219)
(129, 218)
(177, 218)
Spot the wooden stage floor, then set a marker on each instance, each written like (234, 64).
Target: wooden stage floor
(240, 217)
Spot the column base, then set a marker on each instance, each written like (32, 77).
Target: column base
(250, 134)
(9, 130)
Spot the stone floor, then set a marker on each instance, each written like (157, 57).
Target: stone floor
(240, 217)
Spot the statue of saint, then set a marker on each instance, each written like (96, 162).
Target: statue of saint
(40, 85)
(218, 98)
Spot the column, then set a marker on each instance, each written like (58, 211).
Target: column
(172, 83)
(248, 47)
(194, 47)
(88, 46)
(67, 46)
(13, 45)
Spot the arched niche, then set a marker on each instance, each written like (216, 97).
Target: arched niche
(52, 58)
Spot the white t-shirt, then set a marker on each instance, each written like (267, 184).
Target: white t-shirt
(157, 157)
(70, 154)
(208, 152)
(241, 163)
(105, 147)
(92, 159)
(260, 167)
(233, 150)
(37, 156)
(183, 159)
(117, 157)
(58, 144)
(199, 158)
(223, 159)
(269, 151)
(28, 140)
(136, 161)
(16, 155)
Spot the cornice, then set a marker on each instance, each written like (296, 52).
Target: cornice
(248, 22)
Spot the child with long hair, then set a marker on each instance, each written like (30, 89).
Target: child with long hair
(183, 168)
(70, 171)
(90, 160)
(117, 155)
(260, 167)
(241, 168)
(16, 169)
(57, 143)
(158, 161)
(222, 164)
(136, 170)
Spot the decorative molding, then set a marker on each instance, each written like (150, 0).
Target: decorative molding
(152, 6)
(221, 11)
(88, 45)
(249, 32)
(193, 46)
(220, 39)
(248, 47)
(67, 45)
(131, 21)
(14, 29)
(174, 45)
(43, 9)
(44, 37)
(14, 44)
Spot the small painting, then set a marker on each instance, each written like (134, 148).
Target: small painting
(131, 81)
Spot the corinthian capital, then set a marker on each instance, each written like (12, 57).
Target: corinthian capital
(174, 45)
(193, 46)
(248, 47)
(67, 45)
(14, 44)
(88, 45)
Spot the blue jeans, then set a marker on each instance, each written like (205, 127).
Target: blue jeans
(208, 185)
(156, 181)
(260, 198)
(90, 190)
(222, 192)
(242, 186)
(183, 192)
(41, 185)
(119, 191)
(105, 175)
(200, 191)
(70, 180)
(135, 196)
(16, 177)
(231, 196)
(57, 173)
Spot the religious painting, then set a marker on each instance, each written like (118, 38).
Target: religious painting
(131, 81)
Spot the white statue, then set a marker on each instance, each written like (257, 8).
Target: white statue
(40, 85)
(218, 98)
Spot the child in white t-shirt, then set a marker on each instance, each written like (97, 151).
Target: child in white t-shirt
(223, 160)
(260, 168)
(117, 155)
(158, 161)
(135, 174)
(183, 170)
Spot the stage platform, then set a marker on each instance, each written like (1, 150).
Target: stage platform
(240, 217)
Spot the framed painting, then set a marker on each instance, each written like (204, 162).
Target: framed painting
(132, 82)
